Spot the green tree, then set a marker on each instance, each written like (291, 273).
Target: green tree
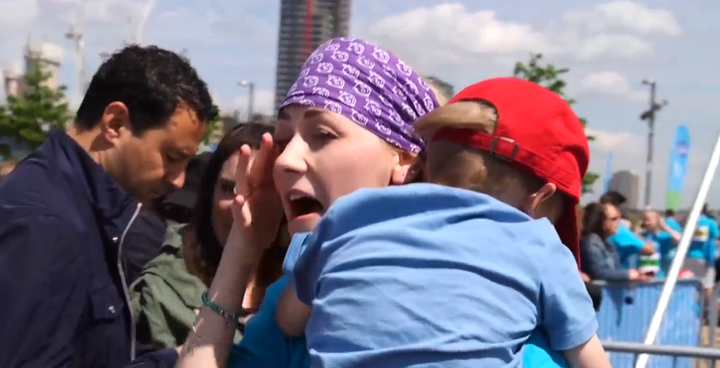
(551, 77)
(27, 119)
(209, 129)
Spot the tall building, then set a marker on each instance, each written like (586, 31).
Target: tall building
(44, 55)
(13, 78)
(628, 184)
(305, 25)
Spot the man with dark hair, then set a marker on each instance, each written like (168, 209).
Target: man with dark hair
(146, 234)
(613, 197)
(66, 210)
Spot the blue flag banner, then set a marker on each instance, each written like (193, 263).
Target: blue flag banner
(678, 167)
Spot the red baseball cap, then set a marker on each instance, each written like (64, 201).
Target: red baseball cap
(538, 133)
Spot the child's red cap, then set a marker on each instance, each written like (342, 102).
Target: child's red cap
(537, 132)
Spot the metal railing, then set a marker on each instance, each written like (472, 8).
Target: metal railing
(679, 259)
(704, 353)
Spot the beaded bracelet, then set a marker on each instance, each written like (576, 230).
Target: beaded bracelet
(218, 309)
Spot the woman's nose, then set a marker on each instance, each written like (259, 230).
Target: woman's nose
(292, 158)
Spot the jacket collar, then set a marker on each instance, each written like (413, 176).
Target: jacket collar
(113, 208)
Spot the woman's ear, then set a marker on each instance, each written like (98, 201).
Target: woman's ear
(401, 167)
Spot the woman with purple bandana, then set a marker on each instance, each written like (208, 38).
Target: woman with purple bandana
(346, 124)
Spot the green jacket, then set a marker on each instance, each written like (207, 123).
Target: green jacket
(166, 297)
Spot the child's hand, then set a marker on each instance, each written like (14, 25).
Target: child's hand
(585, 277)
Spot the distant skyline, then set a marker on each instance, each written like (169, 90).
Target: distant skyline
(610, 47)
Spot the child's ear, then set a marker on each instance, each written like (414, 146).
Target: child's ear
(401, 168)
(535, 200)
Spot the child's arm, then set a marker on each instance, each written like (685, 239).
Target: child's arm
(588, 355)
(567, 313)
(291, 314)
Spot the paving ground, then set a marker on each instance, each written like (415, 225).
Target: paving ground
(706, 340)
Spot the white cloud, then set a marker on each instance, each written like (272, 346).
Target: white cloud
(17, 13)
(619, 142)
(453, 26)
(610, 83)
(625, 16)
(460, 38)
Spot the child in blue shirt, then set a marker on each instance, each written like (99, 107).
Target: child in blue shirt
(459, 273)
(663, 236)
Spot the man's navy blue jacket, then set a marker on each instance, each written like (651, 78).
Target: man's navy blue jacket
(63, 295)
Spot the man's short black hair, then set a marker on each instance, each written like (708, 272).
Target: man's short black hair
(151, 82)
(613, 197)
(669, 212)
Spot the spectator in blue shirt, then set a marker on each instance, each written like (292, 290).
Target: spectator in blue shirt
(663, 237)
(701, 255)
(671, 221)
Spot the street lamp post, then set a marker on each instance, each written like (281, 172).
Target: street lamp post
(650, 115)
(251, 96)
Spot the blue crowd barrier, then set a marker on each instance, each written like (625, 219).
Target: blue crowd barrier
(626, 312)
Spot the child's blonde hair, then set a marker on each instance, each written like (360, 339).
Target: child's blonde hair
(456, 165)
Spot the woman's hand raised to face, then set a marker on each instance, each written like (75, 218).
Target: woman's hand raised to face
(257, 210)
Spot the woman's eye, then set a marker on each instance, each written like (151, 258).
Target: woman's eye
(323, 135)
(227, 188)
(280, 144)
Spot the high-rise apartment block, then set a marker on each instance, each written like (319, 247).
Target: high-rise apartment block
(305, 25)
(42, 55)
(628, 184)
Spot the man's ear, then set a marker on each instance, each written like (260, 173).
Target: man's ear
(401, 167)
(114, 121)
(533, 202)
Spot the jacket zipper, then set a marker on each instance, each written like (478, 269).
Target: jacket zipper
(123, 279)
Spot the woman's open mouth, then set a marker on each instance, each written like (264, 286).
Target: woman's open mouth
(302, 205)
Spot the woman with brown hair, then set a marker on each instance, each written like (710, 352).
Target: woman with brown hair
(168, 294)
(599, 259)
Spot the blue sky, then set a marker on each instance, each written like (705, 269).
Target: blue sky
(609, 46)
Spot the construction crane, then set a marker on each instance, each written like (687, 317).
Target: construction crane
(137, 23)
(74, 34)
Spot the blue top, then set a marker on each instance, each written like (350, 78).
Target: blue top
(265, 346)
(628, 246)
(448, 276)
(665, 246)
(703, 244)
(669, 221)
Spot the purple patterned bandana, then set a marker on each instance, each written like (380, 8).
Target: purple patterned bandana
(367, 85)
